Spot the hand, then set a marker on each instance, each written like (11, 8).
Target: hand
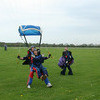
(18, 57)
(42, 55)
(66, 62)
(49, 55)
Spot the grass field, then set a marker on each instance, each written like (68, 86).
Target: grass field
(83, 85)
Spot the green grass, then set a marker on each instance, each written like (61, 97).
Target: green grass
(83, 85)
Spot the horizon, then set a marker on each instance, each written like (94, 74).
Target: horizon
(55, 43)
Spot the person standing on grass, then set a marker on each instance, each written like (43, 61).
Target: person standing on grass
(5, 47)
(29, 60)
(39, 69)
(66, 61)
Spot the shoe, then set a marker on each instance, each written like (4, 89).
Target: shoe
(62, 73)
(49, 85)
(70, 73)
(28, 86)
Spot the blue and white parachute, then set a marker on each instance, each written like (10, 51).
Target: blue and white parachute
(30, 30)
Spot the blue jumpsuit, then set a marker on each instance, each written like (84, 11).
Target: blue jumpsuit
(37, 67)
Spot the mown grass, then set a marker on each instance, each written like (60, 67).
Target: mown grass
(83, 85)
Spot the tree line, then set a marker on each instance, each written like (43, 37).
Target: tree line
(47, 45)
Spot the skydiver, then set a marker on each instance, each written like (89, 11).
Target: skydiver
(29, 60)
(28, 57)
(5, 47)
(66, 61)
(38, 67)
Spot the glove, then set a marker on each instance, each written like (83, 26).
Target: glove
(49, 55)
(18, 57)
(66, 62)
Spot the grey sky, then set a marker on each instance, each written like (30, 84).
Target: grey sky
(62, 21)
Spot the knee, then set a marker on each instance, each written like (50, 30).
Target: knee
(31, 74)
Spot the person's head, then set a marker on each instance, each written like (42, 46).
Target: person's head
(32, 48)
(66, 48)
(35, 52)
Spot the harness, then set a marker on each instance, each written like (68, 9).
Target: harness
(69, 57)
(29, 58)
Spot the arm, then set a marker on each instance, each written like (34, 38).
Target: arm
(40, 58)
(21, 58)
(71, 57)
(45, 58)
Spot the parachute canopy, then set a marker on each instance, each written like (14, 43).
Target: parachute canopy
(27, 30)
(30, 30)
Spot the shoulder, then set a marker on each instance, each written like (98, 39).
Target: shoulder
(28, 51)
(70, 52)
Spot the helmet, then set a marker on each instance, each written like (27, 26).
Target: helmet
(32, 46)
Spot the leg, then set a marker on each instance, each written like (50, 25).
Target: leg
(30, 79)
(63, 71)
(70, 70)
(44, 72)
(47, 82)
(36, 69)
(37, 72)
(32, 70)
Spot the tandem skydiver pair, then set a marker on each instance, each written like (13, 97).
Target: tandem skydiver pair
(34, 59)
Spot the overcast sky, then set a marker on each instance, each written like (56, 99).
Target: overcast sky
(62, 21)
